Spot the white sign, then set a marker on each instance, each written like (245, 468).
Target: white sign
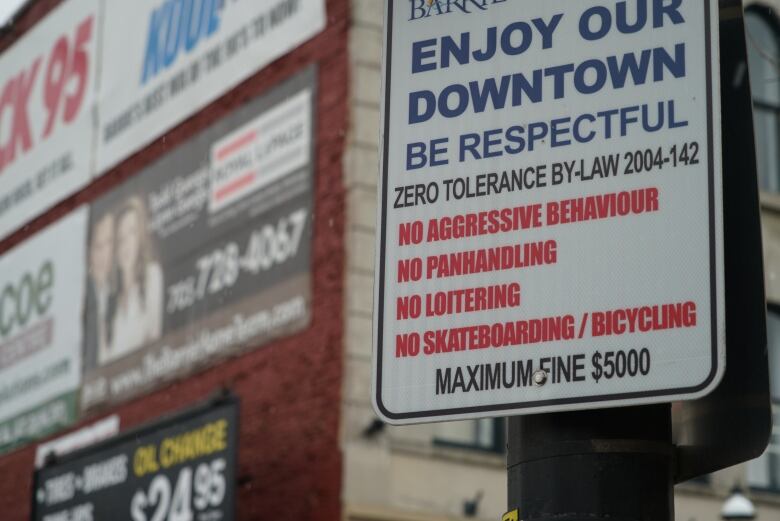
(41, 316)
(261, 151)
(163, 60)
(46, 102)
(90, 435)
(551, 222)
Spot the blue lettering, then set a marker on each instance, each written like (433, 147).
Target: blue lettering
(526, 37)
(558, 130)
(420, 53)
(521, 85)
(607, 117)
(515, 135)
(589, 77)
(415, 98)
(469, 143)
(490, 89)
(605, 19)
(626, 120)
(672, 11)
(622, 17)
(213, 14)
(547, 29)
(629, 65)
(194, 14)
(662, 60)
(176, 24)
(492, 142)
(578, 135)
(171, 49)
(439, 149)
(558, 73)
(425, 8)
(488, 53)
(646, 118)
(152, 59)
(450, 48)
(415, 156)
(536, 132)
(598, 68)
(515, 39)
(673, 123)
(462, 99)
(418, 9)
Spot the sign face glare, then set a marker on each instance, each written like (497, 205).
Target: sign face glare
(550, 207)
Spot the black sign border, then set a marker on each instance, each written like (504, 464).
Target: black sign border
(223, 399)
(507, 408)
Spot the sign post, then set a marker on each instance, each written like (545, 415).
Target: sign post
(552, 242)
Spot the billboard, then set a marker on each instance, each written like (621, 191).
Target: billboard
(550, 209)
(163, 60)
(205, 252)
(41, 295)
(182, 468)
(160, 61)
(47, 81)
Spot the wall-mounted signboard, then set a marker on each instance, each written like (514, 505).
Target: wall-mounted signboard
(47, 86)
(550, 217)
(206, 252)
(163, 60)
(83, 437)
(182, 468)
(41, 295)
(160, 62)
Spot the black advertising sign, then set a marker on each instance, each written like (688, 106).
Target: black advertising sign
(182, 469)
(205, 252)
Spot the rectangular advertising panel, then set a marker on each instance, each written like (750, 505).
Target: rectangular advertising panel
(205, 252)
(163, 60)
(41, 296)
(73, 441)
(550, 207)
(47, 81)
(183, 468)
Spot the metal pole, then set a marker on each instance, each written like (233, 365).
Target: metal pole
(609, 464)
(621, 464)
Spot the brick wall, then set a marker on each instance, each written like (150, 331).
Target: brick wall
(290, 390)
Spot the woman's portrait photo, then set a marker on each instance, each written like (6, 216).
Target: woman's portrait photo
(125, 286)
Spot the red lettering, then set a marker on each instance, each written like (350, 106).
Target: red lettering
(21, 130)
(7, 103)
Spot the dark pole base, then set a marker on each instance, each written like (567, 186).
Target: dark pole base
(609, 464)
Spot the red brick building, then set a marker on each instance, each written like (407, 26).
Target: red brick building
(290, 463)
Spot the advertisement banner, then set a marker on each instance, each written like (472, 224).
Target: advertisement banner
(41, 295)
(163, 60)
(73, 441)
(183, 468)
(46, 112)
(205, 252)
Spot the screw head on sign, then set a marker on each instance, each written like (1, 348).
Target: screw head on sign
(540, 378)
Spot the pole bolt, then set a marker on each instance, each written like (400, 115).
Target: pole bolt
(540, 378)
